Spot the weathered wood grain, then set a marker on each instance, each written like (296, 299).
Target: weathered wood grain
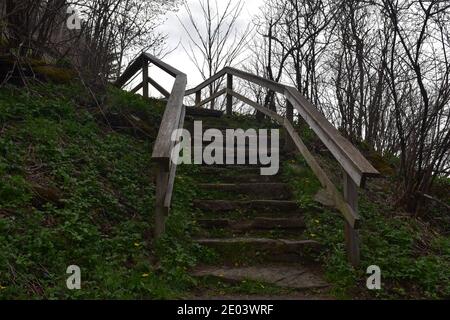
(198, 97)
(345, 153)
(137, 88)
(145, 79)
(211, 98)
(173, 169)
(351, 234)
(162, 65)
(289, 111)
(158, 87)
(206, 83)
(133, 68)
(171, 119)
(229, 96)
(351, 217)
(272, 85)
(258, 107)
(160, 210)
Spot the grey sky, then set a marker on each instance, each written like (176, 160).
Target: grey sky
(176, 33)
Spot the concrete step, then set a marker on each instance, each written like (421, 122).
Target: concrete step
(260, 206)
(253, 134)
(246, 144)
(234, 150)
(243, 158)
(268, 191)
(231, 164)
(223, 128)
(258, 223)
(239, 178)
(201, 112)
(230, 170)
(258, 144)
(234, 163)
(250, 251)
(292, 276)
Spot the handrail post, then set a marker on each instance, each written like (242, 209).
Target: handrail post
(162, 177)
(289, 145)
(351, 234)
(198, 97)
(229, 96)
(289, 111)
(259, 116)
(145, 78)
(213, 101)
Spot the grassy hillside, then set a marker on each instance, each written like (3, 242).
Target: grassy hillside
(413, 253)
(77, 188)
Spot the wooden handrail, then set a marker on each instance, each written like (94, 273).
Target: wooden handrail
(170, 122)
(214, 96)
(353, 162)
(349, 157)
(207, 82)
(272, 85)
(173, 119)
(133, 68)
(163, 66)
(356, 167)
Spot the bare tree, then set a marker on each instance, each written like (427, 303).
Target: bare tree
(378, 69)
(293, 40)
(29, 26)
(112, 32)
(419, 81)
(214, 38)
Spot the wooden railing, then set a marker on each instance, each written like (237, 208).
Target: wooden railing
(356, 168)
(173, 119)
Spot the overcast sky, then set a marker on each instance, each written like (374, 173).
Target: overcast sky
(176, 33)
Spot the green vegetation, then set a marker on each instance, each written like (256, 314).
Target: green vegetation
(77, 187)
(412, 255)
(73, 191)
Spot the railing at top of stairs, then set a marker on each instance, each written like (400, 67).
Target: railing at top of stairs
(356, 167)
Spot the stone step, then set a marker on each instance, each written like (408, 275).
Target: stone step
(246, 145)
(226, 159)
(247, 150)
(223, 128)
(250, 251)
(245, 155)
(234, 163)
(268, 191)
(201, 112)
(260, 206)
(233, 170)
(292, 276)
(238, 150)
(249, 135)
(259, 169)
(228, 176)
(258, 223)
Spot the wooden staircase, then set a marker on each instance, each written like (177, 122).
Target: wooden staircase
(261, 199)
(255, 227)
